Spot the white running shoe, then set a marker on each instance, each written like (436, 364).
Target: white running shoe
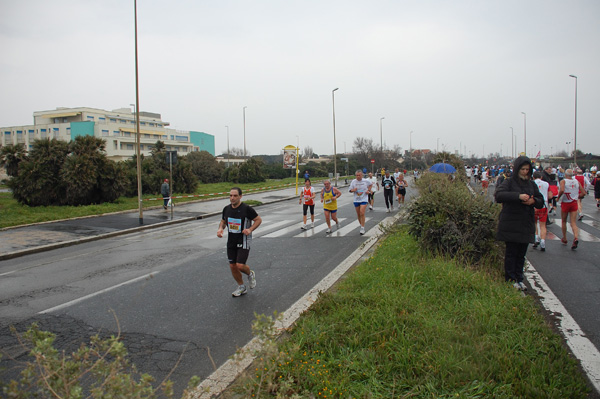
(312, 225)
(388, 210)
(328, 231)
(252, 279)
(362, 231)
(303, 227)
(241, 290)
(371, 207)
(523, 286)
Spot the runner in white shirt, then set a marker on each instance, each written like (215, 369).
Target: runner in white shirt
(541, 215)
(374, 189)
(361, 189)
(569, 190)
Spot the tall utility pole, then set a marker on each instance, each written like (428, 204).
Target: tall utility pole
(524, 133)
(575, 138)
(137, 120)
(244, 109)
(334, 149)
(227, 146)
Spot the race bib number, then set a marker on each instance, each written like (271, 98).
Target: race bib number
(235, 225)
(328, 201)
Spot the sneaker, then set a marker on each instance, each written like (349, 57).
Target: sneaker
(535, 244)
(575, 243)
(523, 286)
(388, 210)
(241, 290)
(598, 205)
(371, 207)
(252, 279)
(564, 240)
(303, 227)
(337, 225)
(543, 246)
(517, 286)
(362, 231)
(312, 225)
(328, 231)
(580, 216)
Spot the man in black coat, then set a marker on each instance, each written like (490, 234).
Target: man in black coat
(519, 195)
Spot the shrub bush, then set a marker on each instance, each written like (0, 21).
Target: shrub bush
(447, 219)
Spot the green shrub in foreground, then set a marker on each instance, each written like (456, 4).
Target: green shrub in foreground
(447, 219)
(407, 325)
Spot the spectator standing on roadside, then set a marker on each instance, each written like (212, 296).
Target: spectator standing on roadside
(240, 220)
(519, 197)
(165, 192)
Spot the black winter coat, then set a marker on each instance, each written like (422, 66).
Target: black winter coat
(517, 221)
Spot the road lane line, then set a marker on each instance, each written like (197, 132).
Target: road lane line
(83, 298)
(583, 349)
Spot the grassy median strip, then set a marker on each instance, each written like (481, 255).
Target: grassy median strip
(14, 214)
(404, 324)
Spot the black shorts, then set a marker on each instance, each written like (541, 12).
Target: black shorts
(401, 191)
(237, 255)
(371, 196)
(305, 209)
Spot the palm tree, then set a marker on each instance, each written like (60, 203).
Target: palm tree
(10, 157)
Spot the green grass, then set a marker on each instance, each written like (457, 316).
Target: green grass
(14, 214)
(404, 324)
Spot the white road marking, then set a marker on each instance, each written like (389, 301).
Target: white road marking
(582, 348)
(83, 298)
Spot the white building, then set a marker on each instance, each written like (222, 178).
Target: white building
(117, 128)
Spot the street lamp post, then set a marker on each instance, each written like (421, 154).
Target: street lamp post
(334, 149)
(381, 132)
(137, 121)
(512, 143)
(524, 133)
(244, 109)
(410, 148)
(567, 143)
(575, 138)
(227, 146)
(437, 146)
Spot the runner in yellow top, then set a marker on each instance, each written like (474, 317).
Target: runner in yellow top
(329, 196)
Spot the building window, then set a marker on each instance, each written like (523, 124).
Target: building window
(90, 118)
(122, 121)
(143, 123)
(132, 122)
(127, 134)
(101, 119)
(130, 146)
(31, 131)
(104, 133)
(181, 138)
(151, 124)
(116, 145)
(116, 133)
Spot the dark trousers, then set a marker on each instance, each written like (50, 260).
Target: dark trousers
(514, 261)
(388, 195)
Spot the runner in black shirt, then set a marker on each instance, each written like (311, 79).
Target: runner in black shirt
(241, 220)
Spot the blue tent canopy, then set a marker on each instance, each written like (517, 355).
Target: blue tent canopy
(443, 168)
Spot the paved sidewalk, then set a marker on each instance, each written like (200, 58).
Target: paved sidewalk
(19, 241)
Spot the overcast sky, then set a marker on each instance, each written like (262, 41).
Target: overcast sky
(455, 73)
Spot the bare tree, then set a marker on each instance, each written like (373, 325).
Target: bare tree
(308, 152)
(235, 152)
